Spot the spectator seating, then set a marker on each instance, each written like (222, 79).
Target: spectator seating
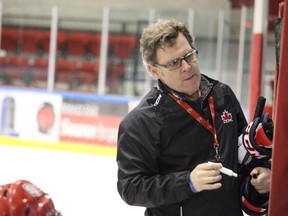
(65, 70)
(40, 69)
(14, 68)
(61, 42)
(123, 46)
(77, 43)
(9, 39)
(89, 66)
(88, 73)
(115, 74)
(31, 39)
(16, 61)
(77, 56)
(94, 45)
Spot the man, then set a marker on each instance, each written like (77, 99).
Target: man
(173, 145)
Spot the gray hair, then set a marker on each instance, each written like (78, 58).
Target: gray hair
(161, 33)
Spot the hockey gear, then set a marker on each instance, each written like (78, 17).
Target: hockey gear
(22, 198)
(252, 202)
(259, 107)
(4, 207)
(264, 132)
(257, 137)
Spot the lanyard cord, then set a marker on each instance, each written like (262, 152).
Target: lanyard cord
(192, 112)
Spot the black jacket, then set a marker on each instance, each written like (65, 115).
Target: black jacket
(159, 144)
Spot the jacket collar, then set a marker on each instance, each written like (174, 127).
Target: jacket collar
(206, 85)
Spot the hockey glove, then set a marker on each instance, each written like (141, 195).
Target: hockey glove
(257, 137)
(252, 202)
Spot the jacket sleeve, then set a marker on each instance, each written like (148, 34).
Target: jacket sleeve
(140, 181)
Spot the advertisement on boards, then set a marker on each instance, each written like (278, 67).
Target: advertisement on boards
(69, 121)
(91, 122)
(30, 115)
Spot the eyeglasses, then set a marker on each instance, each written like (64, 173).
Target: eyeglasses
(176, 63)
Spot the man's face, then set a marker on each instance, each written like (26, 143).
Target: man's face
(186, 78)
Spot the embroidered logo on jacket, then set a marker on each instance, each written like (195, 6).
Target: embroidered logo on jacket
(226, 117)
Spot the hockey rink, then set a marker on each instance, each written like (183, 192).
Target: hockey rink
(79, 184)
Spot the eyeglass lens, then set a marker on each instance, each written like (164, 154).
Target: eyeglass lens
(188, 58)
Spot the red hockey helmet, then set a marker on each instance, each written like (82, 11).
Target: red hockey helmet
(25, 199)
(4, 206)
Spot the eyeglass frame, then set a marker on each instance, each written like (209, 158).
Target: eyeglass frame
(180, 60)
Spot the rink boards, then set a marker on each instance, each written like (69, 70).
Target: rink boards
(60, 120)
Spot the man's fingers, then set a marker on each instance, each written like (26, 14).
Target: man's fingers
(261, 182)
(212, 179)
(206, 176)
(212, 186)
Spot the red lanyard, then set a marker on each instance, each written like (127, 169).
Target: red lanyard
(192, 112)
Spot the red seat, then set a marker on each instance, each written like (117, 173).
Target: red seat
(89, 79)
(40, 69)
(45, 43)
(16, 67)
(67, 65)
(40, 62)
(115, 75)
(116, 71)
(88, 73)
(95, 44)
(61, 40)
(65, 69)
(31, 40)
(9, 39)
(16, 61)
(88, 66)
(2, 61)
(77, 43)
(124, 46)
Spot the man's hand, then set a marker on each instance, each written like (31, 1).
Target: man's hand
(261, 178)
(206, 176)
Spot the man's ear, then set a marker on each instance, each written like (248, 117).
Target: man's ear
(153, 71)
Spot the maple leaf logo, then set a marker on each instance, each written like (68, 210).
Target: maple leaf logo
(226, 117)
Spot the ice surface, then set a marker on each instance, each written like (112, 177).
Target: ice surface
(79, 184)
